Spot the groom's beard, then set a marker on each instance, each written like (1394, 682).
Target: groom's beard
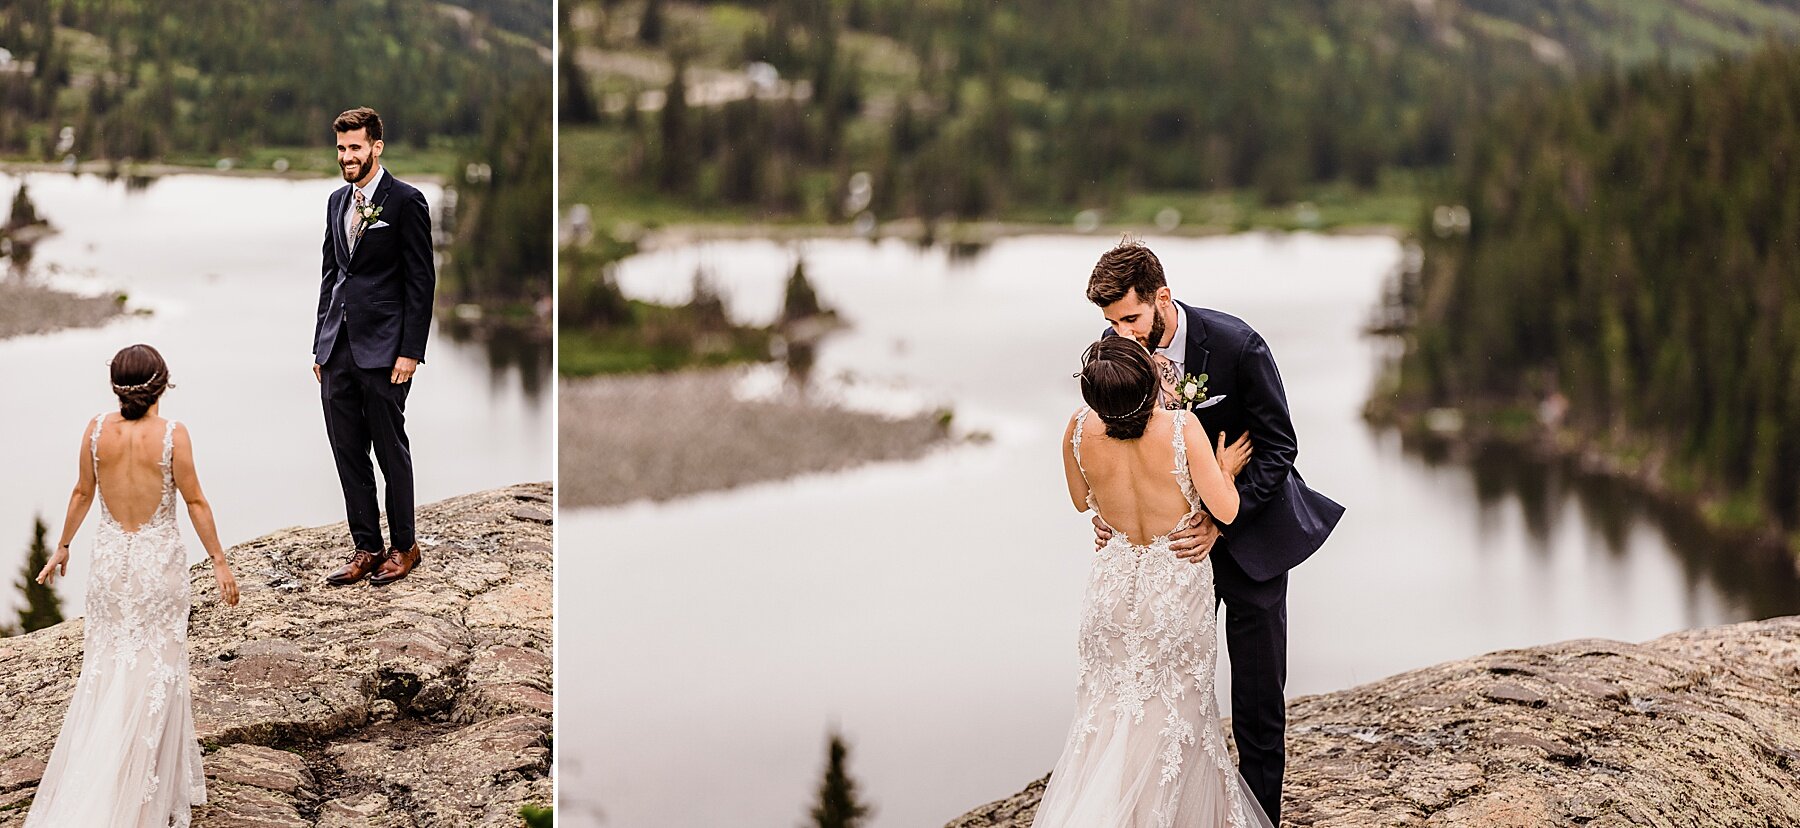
(1157, 329)
(360, 165)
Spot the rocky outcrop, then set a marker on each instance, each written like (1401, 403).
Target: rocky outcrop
(1699, 728)
(423, 704)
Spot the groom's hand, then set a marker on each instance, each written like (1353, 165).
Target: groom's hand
(403, 370)
(317, 377)
(1102, 533)
(1194, 543)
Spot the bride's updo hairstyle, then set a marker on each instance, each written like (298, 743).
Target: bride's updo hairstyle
(1118, 381)
(139, 377)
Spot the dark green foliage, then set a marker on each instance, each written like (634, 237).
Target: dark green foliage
(220, 77)
(24, 212)
(838, 806)
(42, 606)
(504, 211)
(799, 301)
(537, 817)
(675, 162)
(650, 26)
(1634, 246)
(1065, 102)
(602, 332)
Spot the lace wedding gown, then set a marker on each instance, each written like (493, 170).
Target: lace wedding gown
(1147, 749)
(127, 756)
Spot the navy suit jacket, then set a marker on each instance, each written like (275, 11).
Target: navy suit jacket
(382, 293)
(1280, 522)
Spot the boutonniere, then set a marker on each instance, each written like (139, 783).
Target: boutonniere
(366, 216)
(1190, 391)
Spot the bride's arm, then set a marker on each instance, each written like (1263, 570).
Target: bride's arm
(187, 481)
(1220, 496)
(80, 501)
(1078, 487)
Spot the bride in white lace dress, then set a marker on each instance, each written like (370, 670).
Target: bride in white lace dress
(127, 756)
(1146, 749)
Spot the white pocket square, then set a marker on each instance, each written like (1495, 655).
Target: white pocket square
(378, 225)
(1210, 402)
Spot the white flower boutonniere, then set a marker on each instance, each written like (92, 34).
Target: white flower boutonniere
(366, 216)
(1191, 391)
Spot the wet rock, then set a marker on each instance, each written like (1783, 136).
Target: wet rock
(423, 704)
(1703, 724)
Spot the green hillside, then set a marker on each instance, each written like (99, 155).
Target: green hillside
(1029, 111)
(464, 89)
(231, 78)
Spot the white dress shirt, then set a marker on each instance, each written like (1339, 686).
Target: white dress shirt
(1176, 352)
(368, 191)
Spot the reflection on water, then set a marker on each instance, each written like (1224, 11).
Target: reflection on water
(516, 351)
(228, 268)
(929, 608)
(1759, 581)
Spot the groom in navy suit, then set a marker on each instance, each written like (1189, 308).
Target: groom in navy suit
(1280, 522)
(375, 299)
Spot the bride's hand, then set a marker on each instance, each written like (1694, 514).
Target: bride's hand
(1233, 458)
(58, 565)
(228, 590)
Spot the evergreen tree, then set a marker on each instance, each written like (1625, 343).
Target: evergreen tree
(800, 301)
(838, 806)
(24, 212)
(650, 26)
(42, 606)
(676, 161)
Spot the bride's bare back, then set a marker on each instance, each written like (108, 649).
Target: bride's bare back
(1133, 482)
(130, 468)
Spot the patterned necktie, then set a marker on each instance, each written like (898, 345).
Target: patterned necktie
(356, 221)
(1165, 371)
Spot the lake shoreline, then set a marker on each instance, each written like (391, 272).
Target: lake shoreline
(975, 233)
(1645, 474)
(115, 169)
(631, 437)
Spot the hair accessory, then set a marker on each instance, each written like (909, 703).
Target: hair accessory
(126, 389)
(1089, 357)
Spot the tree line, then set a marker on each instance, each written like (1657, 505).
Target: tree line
(1633, 245)
(1062, 102)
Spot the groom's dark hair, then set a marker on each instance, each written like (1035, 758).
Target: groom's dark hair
(1123, 269)
(361, 117)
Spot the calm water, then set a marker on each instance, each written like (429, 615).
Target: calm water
(230, 267)
(929, 608)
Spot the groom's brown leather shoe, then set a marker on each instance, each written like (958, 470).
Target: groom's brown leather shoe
(360, 564)
(398, 563)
